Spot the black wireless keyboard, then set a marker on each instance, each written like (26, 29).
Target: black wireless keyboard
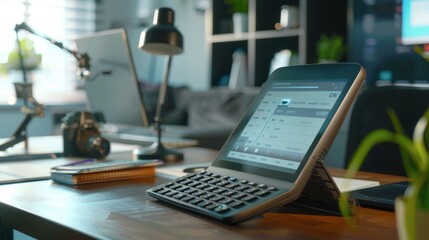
(213, 195)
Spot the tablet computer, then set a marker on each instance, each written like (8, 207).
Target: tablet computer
(274, 155)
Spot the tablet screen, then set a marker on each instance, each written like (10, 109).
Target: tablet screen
(279, 133)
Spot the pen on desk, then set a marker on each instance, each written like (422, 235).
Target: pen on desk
(88, 160)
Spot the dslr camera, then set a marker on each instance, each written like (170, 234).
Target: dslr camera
(81, 136)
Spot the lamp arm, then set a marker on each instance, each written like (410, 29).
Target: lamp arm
(82, 58)
(24, 26)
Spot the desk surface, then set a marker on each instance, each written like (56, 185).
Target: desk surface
(121, 210)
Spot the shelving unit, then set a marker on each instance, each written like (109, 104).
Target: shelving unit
(260, 43)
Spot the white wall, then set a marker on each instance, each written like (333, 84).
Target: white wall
(191, 68)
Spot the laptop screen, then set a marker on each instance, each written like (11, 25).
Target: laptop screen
(116, 94)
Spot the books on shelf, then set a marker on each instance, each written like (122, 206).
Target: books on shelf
(92, 171)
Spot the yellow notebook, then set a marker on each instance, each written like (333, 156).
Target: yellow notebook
(103, 171)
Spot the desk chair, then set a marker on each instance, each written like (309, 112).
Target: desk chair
(370, 112)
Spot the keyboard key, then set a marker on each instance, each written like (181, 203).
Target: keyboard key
(199, 193)
(193, 184)
(186, 182)
(222, 183)
(252, 190)
(214, 181)
(210, 188)
(220, 190)
(175, 186)
(238, 195)
(164, 191)
(204, 203)
(196, 201)
(262, 193)
(221, 208)
(182, 179)
(227, 200)
(236, 204)
(156, 189)
(201, 186)
(216, 198)
(179, 196)
(241, 187)
(206, 179)
(228, 193)
(183, 188)
(170, 194)
(187, 198)
(190, 191)
(232, 185)
(207, 195)
(253, 184)
(212, 206)
(196, 177)
(249, 198)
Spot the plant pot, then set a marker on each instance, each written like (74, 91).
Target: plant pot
(240, 22)
(422, 219)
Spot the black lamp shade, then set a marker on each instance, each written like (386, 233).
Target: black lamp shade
(162, 38)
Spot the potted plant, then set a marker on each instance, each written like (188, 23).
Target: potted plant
(32, 60)
(239, 10)
(330, 49)
(412, 209)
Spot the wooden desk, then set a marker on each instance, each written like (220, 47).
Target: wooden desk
(20, 165)
(121, 210)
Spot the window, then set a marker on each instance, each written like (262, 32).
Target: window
(61, 20)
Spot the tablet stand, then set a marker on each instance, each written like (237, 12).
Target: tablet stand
(320, 193)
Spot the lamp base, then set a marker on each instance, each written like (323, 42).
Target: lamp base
(157, 151)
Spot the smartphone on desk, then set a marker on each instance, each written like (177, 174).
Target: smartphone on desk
(274, 155)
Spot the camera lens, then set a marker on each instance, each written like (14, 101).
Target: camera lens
(97, 147)
(91, 144)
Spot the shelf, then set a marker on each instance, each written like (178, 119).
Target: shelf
(228, 37)
(233, 37)
(260, 43)
(296, 32)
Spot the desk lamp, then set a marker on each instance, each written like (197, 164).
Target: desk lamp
(162, 38)
(24, 90)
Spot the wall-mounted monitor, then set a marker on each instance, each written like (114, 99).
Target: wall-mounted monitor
(375, 40)
(415, 22)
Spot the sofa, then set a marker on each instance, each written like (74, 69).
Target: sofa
(206, 116)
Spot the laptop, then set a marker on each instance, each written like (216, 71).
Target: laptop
(275, 154)
(114, 90)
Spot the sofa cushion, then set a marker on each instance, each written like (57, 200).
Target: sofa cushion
(219, 107)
